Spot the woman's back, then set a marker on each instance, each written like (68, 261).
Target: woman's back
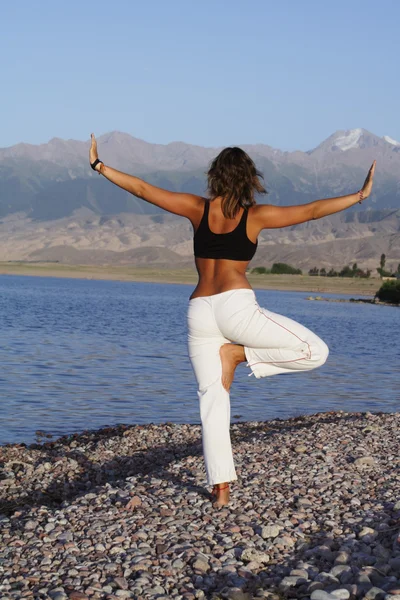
(222, 248)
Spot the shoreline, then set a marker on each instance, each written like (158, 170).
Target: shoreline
(186, 276)
(316, 507)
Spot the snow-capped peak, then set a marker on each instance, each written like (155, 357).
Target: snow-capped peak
(349, 139)
(391, 140)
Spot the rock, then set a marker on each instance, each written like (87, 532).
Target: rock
(238, 594)
(31, 525)
(375, 593)
(157, 589)
(327, 578)
(300, 573)
(322, 595)
(300, 449)
(270, 531)
(395, 563)
(367, 534)
(178, 564)
(76, 595)
(342, 558)
(341, 594)
(133, 503)
(161, 548)
(100, 548)
(337, 570)
(65, 536)
(252, 555)
(121, 582)
(365, 461)
(315, 585)
(201, 564)
(291, 581)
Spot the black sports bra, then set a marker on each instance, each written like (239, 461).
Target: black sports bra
(234, 245)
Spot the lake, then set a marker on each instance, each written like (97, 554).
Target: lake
(80, 354)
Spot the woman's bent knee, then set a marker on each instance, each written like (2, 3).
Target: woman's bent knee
(319, 353)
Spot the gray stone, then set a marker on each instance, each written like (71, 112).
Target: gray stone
(365, 461)
(157, 589)
(342, 558)
(375, 593)
(200, 564)
(322, 595)
(395, 563)
(291, 581)
(252, 555)
(121, 582)
(100, 548)
(270, 531)
(341, 593)
(367, 534)
(65, 536)
(300, 573)
(337, 570)
(238, 594)
(178, 564)
(300, 449)
(326, 578)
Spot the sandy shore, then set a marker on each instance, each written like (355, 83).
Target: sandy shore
(315, 513)
(333, 285)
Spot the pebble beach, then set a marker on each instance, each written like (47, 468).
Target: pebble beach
(125, 512)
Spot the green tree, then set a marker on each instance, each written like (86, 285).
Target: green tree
(322, 272)
(389, 292)
(259, 271)
(346, 272)
(383, 261)
(313, 271)
(332, 273)
(284, 269)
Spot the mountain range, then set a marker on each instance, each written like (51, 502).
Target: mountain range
(54, 207)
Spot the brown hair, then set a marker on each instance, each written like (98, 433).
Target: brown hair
(234, 176)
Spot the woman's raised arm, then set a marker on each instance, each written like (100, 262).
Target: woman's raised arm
(178, 203)
(269, 216)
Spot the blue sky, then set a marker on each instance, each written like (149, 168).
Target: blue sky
(287, 73)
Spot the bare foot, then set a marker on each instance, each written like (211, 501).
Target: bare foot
(231, 356)
(220, 495)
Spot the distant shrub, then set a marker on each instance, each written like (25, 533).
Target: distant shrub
(260, 271)
(284, 269)
(346, 272)
(389, 292)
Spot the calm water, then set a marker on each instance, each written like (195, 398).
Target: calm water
(81, 354)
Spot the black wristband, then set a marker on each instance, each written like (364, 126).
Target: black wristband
(95, 163)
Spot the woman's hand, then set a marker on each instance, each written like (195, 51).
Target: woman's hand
(367, 187)
(93, 152)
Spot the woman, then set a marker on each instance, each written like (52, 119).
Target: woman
(226, 325)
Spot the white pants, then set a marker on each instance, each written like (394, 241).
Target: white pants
(272, 344)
